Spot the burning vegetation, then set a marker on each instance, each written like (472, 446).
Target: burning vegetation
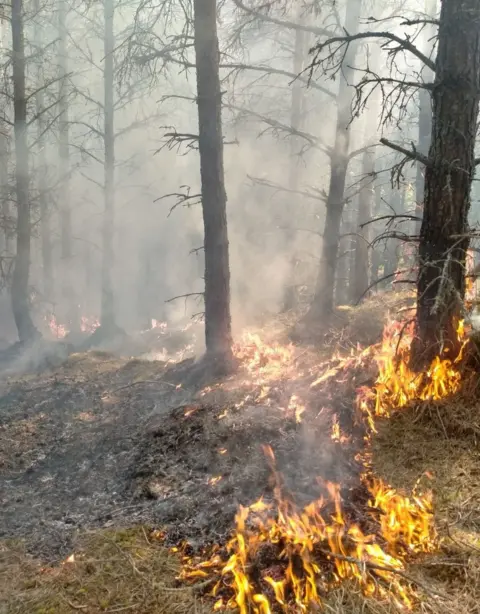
(285, 556)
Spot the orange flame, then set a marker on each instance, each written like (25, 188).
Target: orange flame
(318, 546)
(261, 359)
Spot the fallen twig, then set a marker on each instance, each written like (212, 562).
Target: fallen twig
(376, 566)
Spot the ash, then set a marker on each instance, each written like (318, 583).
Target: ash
(102, 441)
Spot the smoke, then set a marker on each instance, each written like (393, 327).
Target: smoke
(277, 159)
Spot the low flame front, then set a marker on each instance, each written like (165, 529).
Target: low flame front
(283, 558)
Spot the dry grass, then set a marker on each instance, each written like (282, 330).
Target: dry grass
(435, 445)
(364, 324)
(112, 571)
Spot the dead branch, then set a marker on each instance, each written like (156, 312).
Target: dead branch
(291, 25)
(184, 199)
(403, 43)
(185, 296)
(408, 153)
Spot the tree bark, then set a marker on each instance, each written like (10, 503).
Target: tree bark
(107, 318)
(69, 296)
(45, 230)
(20, 279)
(359, 279)
(218, 335)
(322, 305)
(448, 181)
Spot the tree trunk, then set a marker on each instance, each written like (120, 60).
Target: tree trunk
(448, 181)
(376, 257)
(344, 259)
(45, 230)
(20, 279)
(7, 246)
(360, 278)
(69, 296)
(107, 318)
(322, 305)
(218, 335)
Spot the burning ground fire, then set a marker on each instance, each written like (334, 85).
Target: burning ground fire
(283, 557)
(60, 331)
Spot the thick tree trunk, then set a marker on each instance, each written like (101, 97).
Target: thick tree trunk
(45, 230)
(322, 304)
(69, 294)
(448, 180)
(218, 335)
(107, 318)
(359, 279)
(20, 279)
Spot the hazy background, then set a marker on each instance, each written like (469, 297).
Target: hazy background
(157, 253)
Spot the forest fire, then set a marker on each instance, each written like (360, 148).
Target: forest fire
(267, 361)
(88, 325)
(286, 557)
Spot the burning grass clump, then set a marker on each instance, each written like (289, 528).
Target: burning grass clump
(108, 571)
(365, 323)
(287, 556)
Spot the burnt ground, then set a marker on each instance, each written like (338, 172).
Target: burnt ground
(102, 441)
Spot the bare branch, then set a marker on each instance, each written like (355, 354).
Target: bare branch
(403, 43)
(408, 153)
(281, 22)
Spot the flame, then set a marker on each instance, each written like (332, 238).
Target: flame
(297, 407)
(262, 359)
(336, 435)
(158, 324)
(470, 279)
(89, 324)
(397, 384)
(214, 480)
(310, 550)
(58, 330)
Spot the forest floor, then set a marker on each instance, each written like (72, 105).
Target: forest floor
(99, 450)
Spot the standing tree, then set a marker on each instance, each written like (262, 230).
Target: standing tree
(449, 166)
(45, 209)
(218, 333)
(322, 304)
(448, 180)
(20, 279)
(68, 291)
(107, 319)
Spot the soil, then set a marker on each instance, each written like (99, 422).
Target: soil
(102, 441)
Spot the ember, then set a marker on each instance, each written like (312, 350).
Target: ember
(286, 557)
